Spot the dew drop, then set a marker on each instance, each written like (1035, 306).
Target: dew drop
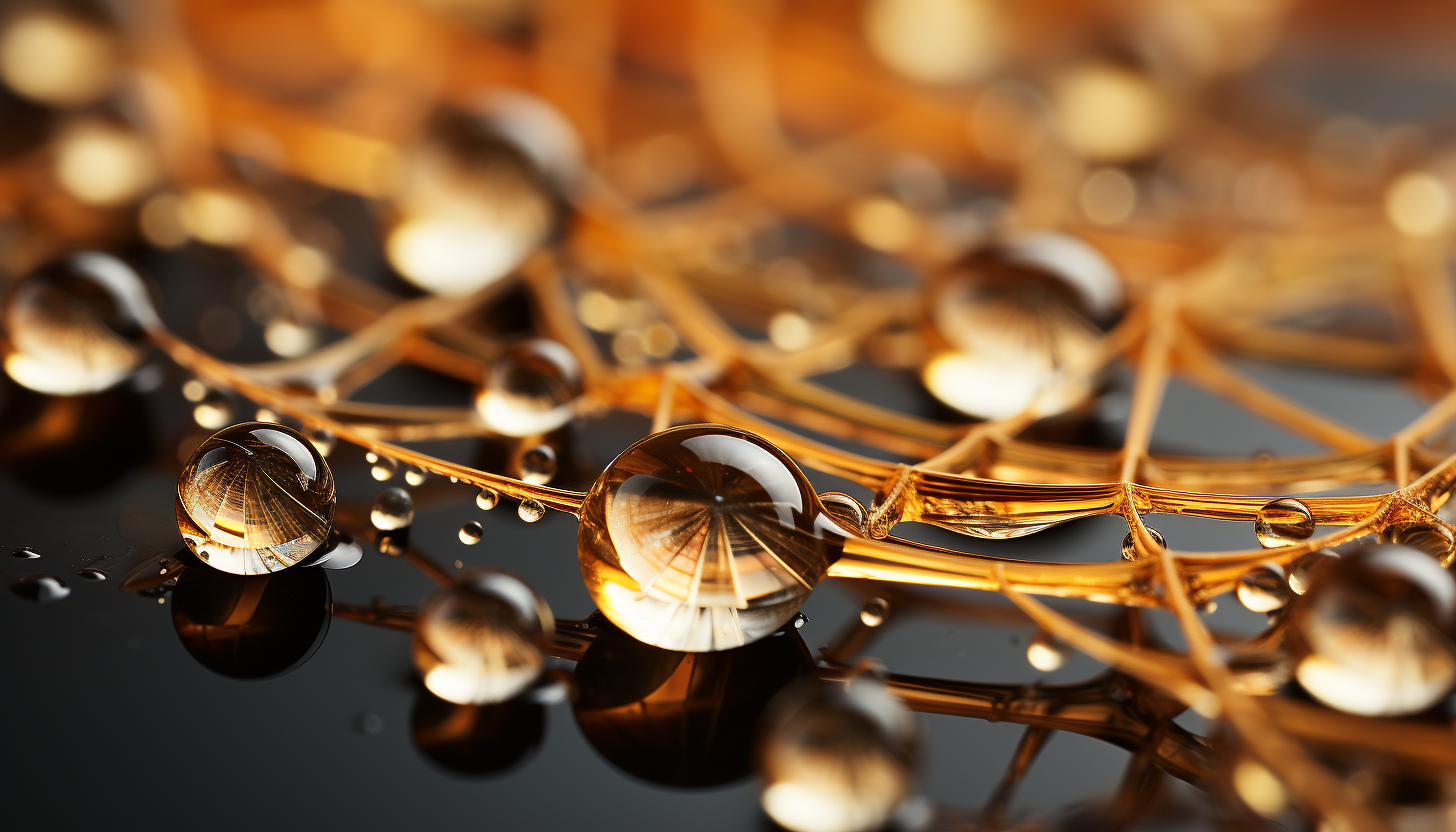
(471, 533)
(92, 574)
(1046, 652)
(25, 553)
(531, 389)
(323, 441)
(1129, 550)
(1263, 588)
(213, 411)
(1282, 522)
(40, 588)
(381, 467)
(393, 509)
(538, 465)
(414, 475)
(487, 499)
(874, 612)
(531, 510)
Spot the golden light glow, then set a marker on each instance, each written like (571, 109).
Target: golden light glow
(1260, 790)
(937, 41)
(57, 58)
(1108, 113)
(222, 218)
(104, 164)
(1418, 204)
(882, 223)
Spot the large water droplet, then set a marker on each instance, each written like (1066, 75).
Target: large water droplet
(40, 588)
(487, 499)
(393, 509)
(531, 389)
(1282, 522)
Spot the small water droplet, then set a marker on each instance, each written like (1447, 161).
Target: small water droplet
(92, 574)
(25, 553)
(1129, 551)
(1046, 652)
(487, 499)
(1263, 588)
(800, 620)
(214, 411)
(538, 465)
(531, 510)
(393, 509)
(874, 612)
(414, 475)
(1282, 522)
(471, 533)
(381, 467)
(40, 588)
(368, 723)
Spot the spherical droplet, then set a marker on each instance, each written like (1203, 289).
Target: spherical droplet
(702, 538)
(323, 441)
(538, 465)
(414, 475)
(92, 574)
(874, 612)
(1263, 588)
(1282, 522)
(1046, 652)
(837, 759)
(393, 509)
(77, 326)
(471, 533)
(381, 467)
(40, 588)
(530, 389)
(1129, 549)
(255, 498)
(1305, 567)
(847, 510)
(25, 553)
(487, 499)
(531, 510)
(213, 411)
(480, 641)
(1374, 632)
(252, 626)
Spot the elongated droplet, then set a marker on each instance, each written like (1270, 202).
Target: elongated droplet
(1282, 522)
(531, 510)
(487, 499)
(92, 574)
(25, 553)
(40, 588)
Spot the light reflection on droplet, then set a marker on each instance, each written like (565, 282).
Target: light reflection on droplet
(393, 509)
(1284, 521)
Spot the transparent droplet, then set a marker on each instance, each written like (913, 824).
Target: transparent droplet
(77, 326)
(393, 509)
(213, 411)
(1282, 522)
(471, 533)
(381, 467)
(702, 538)
(1129, 550)
(874, 612)
(92, 574)
(1433, 540)
(1304, 568)
(530, 389)
(838, 758)
(481, 640)
(847, 510)
(487, 499)
(25, 553)
(1046, 652)
(414, 475)
(255, 498)
(40, 588)
(1263, 588)
(323, 441)
(1374, 632)
(531, 510)
(538, 465)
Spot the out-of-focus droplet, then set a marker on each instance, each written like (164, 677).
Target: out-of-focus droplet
(1418, 204)
(538, 465)
(91, 573)
(1110, 113)
(837, 759)
(1374, 632)
(77, 325)
(874, 612)
(1108, 196)
(40, 588)
(393, 509)
(104, 163)
(1129, 548)
(487, 499)
(394, 545)
(883, 223)
(193, 390)
(480, 641)
(1434, 540)
(845, 509)
(1046, 652)
(264, 414)
(471, 532)
(217, 217)
(1305, 567)
(214, 411)
(1259, 788)
(531, 510)
(323, 441)
(381, 467)
(1263, 588)
(1282, 522)
(289, 338)
(58, 58)
(414, 475)
(530, 389)
(25, 553)
(255, 498)
(937, 41)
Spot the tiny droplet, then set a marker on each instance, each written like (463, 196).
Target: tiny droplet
(874, 612)
(531, 510)
(487, 499)
(471, 533)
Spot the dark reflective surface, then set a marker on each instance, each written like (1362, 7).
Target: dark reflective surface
(476, 740)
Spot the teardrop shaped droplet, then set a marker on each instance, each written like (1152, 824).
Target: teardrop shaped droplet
(531, 510)
(487, 499)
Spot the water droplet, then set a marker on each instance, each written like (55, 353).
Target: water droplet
(1433, 540)
(368, 723)
(531, 510)
(323, 441)
(393, 509)
(213, 411)
(40, 588)
(531, 389)
(92, 574)
(1305, 568)
(1263, 588)
(480, 641)
(77, 325)
(799, 620)
(255, 498)
(381, 467)
(266, 415)
(1046, 652)
(874, 612)
(1259, 788)
(1282, 522)
(538, 465)
(487, 499)
(847, 510)
(471, 533)
(414, 475)
(1129, 550)
(25, 553)
(459, 564)
(193, 390)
